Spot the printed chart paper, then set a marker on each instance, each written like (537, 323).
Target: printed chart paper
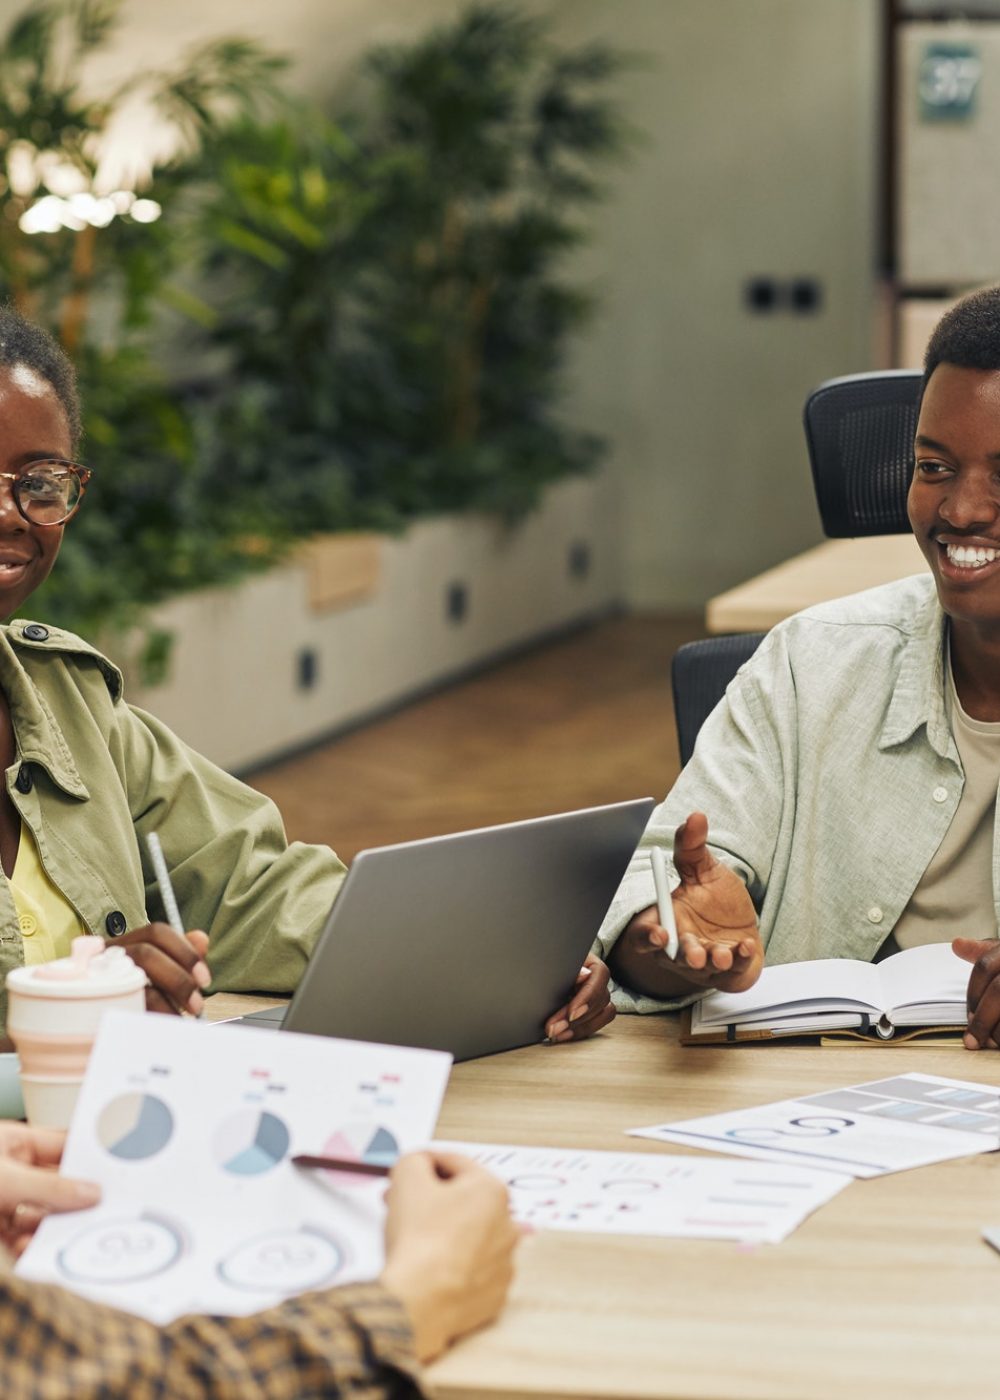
(190, 1129)
(887, 1125)
(632, 1193)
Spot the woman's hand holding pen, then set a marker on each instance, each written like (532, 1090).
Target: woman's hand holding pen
(173, 962)
(718, 939)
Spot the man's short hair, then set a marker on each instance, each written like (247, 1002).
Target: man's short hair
(968, 335)
(23, 343)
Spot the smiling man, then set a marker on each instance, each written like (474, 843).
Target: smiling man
(850, 775)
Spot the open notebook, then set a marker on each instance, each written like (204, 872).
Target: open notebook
(922, 987)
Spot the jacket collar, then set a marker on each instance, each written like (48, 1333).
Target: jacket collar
(39, 738)
(918, 695)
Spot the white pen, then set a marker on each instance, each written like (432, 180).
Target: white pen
(166, 888)
(664, 901)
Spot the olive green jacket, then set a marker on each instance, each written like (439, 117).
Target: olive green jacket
(93, 776)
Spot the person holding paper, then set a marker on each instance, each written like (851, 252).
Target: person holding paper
(88, 777)
(850, 774)
(450, 1245)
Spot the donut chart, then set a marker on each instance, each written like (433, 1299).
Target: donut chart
(285, 1260)
(125, 1250)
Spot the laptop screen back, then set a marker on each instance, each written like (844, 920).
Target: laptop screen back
(466, 943)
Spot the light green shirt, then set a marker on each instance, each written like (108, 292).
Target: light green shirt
(829, 776)
(93, 776)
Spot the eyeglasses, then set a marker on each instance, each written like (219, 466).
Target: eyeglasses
(49, 492)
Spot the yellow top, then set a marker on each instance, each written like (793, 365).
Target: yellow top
(49, 923)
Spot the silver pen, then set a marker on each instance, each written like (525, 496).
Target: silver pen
(664, 900)
(166, 890)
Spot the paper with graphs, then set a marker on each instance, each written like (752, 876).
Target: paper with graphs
(632, 1193)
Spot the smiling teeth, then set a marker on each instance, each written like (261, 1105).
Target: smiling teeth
(969, 557)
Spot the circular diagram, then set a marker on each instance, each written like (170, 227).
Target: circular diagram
(361, 1142)
(537, 1181)
(250, 1142)
(284, 1261)
(122, 1251)
(630, 1186)
(135, 1126)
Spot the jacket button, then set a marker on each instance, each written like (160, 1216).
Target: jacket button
(875, 915)
(35, 632)
(940, 794)
(116, 923)
(24, 781)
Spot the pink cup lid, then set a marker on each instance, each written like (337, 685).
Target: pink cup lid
(91, 970)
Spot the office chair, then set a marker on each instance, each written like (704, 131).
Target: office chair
(859, 430)
(860, 434)
(699, 674)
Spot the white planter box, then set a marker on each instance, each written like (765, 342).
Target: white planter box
(376, 633)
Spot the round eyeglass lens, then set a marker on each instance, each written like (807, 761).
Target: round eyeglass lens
(48, 494)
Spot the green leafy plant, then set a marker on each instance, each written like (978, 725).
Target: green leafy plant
(93, 262)
(375, 304)
(397, 322)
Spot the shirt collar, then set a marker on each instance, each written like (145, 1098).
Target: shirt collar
(918, 697)
(39, 738)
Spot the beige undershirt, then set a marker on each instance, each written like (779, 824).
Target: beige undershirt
(955, 895)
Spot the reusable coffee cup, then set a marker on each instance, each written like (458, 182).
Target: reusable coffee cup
(53, 1012)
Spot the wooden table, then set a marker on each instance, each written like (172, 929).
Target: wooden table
(886, 1291)
(831, 570)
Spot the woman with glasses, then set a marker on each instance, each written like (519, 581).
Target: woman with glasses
(86, 778)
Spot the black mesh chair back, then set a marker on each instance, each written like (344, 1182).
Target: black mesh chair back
(860, 434)
(699, 674)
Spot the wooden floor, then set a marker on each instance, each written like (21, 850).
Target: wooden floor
(585, 720)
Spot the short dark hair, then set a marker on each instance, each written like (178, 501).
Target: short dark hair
(23, 343)
(968, 335)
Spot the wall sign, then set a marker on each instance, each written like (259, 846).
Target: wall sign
(947, 82)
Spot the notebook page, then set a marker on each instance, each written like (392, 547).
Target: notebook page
(829, 984)
(930, 975)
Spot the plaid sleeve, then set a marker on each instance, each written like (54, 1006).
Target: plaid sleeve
(352, 1341)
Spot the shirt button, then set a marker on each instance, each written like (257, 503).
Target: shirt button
(35, 632)
(940, 794)
(875, 915)
(116, 923)
(29, 924)
(23, 782)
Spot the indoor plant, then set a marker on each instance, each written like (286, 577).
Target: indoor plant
(373, 302)
(397, 309)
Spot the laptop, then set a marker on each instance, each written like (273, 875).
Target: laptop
(465, 943)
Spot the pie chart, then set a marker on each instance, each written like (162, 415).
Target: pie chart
(135, 1126)
(251, 1142)
(362, 1142)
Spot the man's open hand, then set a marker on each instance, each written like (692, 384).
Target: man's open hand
(718, 939)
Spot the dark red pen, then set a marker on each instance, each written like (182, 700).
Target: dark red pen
(341, 1164)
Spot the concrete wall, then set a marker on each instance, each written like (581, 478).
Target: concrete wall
(759, 159)
(760, 117)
